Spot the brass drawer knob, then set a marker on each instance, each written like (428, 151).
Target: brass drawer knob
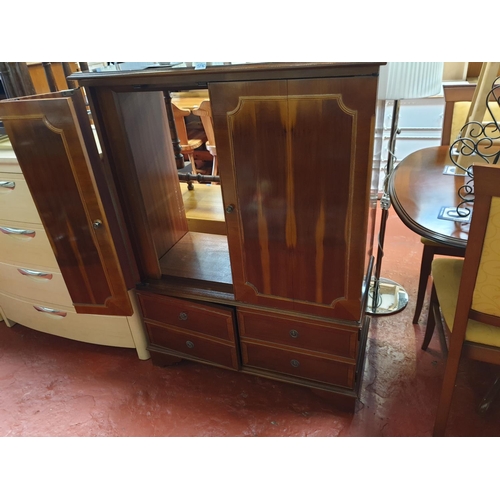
(295, 363)
(183, 316)
(190, 344)
(294, 334)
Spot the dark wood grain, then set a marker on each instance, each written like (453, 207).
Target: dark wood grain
(298, 333)
(199, 256)
(418, 190)
(214, 320)
(190, 345)
(290, 236)
(49, 76)
(16, 79)
(294, 146)
(134, 134)
(298, 364)
(188, 78)
(47, 138)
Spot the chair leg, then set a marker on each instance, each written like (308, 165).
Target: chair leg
(215, 170)
(450, 376)
(425, 271)
(431, 320)
(193, 164)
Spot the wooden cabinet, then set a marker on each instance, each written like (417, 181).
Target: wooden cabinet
(279, 291)
(33, 291)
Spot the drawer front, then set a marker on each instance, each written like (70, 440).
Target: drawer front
(26, 244)
(34, 283)
(215, 321)
(104, 330)
(298, 364)
(289, 331)
(16, 203)
(193, 346)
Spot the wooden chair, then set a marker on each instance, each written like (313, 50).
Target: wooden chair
(204, 111)
(187, 145)
(467, 291)
(458, 99)
(457, 103)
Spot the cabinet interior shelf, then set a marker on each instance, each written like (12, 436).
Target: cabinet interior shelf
(199, 256)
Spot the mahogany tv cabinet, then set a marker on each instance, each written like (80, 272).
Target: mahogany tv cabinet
(282, 294)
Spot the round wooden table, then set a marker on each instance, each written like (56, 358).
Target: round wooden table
(419, 190)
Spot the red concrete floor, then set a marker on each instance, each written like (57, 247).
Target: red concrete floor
(51, 386)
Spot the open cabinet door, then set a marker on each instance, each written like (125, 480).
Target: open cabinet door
(52, 139)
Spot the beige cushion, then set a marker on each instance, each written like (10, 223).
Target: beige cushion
(446, 273)
(486, 297)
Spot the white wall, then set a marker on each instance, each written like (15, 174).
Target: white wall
(420, 124)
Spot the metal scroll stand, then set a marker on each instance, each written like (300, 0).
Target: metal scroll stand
(386, 296)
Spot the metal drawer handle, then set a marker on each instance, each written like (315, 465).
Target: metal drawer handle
(183, 316)
(7, 184)
(18, 232)
(294, 334)
(190, 344)
(48, 310)
(295, 363)
(35, 274)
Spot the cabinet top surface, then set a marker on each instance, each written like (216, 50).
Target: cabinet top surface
(178, 77)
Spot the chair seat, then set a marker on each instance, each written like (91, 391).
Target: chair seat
(192, 145)
(447, 274)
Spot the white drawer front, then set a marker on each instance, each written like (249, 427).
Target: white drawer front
(34, 283)
(103, 330)
(16, 203)
(26, 244)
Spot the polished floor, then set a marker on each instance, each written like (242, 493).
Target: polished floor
(51, 386)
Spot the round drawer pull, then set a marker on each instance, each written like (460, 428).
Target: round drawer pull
(230, 209)
(190, 344)
(183, 316)
(97, 224)
(294, 334)
(295, 363)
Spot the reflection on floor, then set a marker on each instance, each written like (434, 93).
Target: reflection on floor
(57, 387)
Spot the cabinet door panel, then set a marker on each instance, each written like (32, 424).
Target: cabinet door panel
(296, 163)
(48, 139)
(262, 193)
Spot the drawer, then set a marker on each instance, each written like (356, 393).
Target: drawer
(16, 203)
(63, 322)
(193, 346)
(304, 334)
(213, 320)
(35, 284)
(8, 160)
(298, 364)
(26, 244)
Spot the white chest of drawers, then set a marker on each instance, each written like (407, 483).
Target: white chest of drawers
(32, 290)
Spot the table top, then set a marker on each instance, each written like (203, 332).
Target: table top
(189, 100)
(420, 191)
